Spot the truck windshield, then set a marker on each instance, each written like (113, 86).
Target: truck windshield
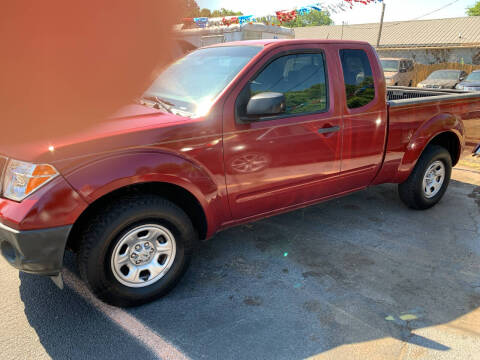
(444, 75)
(390, 65)
(474, 76)
(192, 83)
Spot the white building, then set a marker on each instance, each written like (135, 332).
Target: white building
(219, 34)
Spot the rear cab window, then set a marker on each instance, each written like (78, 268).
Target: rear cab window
(358, 78)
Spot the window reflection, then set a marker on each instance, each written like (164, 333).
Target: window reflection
(301, 78)
(357, 73)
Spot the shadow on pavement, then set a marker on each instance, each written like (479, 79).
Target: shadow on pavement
(350, 270)
(70, 328)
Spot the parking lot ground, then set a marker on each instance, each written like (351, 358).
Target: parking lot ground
(361, 277)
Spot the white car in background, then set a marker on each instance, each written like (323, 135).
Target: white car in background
(443, 79)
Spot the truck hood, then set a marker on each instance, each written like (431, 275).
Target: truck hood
(119, 131)
(440, 82)
(389, 75)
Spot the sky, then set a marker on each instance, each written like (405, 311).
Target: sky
(396, 10)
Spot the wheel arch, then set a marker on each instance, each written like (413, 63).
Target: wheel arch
(444, 130)
(450, 141)
(178, 195)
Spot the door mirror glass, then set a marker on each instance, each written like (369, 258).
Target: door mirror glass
(266, 103)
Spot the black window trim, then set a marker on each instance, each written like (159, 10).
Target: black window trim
(353, 110)
(241, 121)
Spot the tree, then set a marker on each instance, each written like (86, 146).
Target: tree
(314, 18)
(474, 10)
(189, 8)
(225, 12)
(205, 13)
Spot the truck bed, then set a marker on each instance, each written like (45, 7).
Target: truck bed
(405, 101)
(400, 95)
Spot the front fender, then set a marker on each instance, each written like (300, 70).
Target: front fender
(424, 135)
(103, 176)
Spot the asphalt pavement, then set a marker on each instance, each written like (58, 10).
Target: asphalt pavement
(360, 277)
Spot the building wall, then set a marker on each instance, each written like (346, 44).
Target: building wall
(436, 56)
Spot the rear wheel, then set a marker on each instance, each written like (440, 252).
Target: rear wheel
(429, 180)
(136, 250)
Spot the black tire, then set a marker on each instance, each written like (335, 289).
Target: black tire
(411, 191)
(106, 228)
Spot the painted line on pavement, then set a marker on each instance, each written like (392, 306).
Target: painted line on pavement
(126, 321)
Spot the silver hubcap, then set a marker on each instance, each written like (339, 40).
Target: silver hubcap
(433, 179)
(143, 255)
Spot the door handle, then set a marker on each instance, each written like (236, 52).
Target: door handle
(328, 130)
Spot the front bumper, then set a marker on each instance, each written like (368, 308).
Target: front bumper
(35, 251)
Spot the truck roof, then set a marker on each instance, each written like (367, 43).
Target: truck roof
(278, 42)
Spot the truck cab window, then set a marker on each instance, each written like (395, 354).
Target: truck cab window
(357, 73)
(300, 77)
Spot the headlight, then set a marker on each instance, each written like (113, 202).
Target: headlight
(459, 87)
(22, 179)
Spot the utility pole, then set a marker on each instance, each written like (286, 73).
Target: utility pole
(381, 25)
(343, 24)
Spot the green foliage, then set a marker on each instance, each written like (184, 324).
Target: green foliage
(205, 13)
(190, 9)
(360, 95)
(225, 12)
(309, 100)
(314, 18)
(474, 10)
(313, 99)
(268, 20)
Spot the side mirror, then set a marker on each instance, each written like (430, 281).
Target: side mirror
(266, 103)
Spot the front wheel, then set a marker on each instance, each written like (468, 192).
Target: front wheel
(429, 180)
(135, 250)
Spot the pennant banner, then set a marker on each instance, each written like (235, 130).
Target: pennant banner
(283, 16)
(246, 19)
(201, 22)
(286, 16)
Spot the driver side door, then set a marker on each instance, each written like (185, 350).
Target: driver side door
(280, 161)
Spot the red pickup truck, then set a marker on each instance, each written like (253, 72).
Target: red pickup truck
(226, 135)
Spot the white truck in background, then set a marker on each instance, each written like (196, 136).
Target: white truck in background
(398, 71)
